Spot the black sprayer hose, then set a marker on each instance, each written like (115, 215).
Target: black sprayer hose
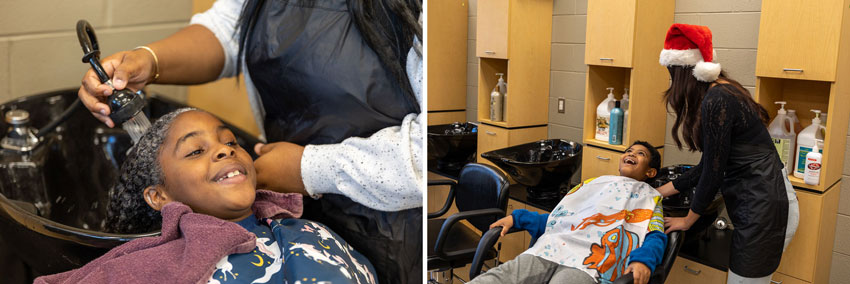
(62, 118)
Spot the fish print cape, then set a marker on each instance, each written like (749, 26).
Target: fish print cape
(595, 228)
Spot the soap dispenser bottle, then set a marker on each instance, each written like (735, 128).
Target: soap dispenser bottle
(813, 165)
(616, 131)
(624, 104)
(603, 116)
(797, 126)
(503, 89)
(496, 101)
(783, 139)
(806, 142)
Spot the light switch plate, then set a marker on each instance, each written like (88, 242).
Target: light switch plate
(561, 105)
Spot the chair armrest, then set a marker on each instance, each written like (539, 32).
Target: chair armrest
(488, 239)
(628, 278)
(449, 200)
(457, 217)
(674, 243)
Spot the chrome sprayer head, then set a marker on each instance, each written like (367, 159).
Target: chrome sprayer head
(19, 137)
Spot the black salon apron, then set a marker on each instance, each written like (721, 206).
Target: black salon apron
(755, 196)
(321, 83)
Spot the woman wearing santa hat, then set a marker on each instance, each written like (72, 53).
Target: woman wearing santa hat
(719, 118)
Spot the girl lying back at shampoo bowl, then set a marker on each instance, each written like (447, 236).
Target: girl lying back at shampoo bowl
(189, 177)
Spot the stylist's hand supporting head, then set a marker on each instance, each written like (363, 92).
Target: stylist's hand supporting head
(279, 167)
(128, 69)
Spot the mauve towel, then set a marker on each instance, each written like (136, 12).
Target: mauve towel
(186, 251)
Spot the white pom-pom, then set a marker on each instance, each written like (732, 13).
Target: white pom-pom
(707, 71)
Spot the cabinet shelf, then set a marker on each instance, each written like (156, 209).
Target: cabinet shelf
(605, 145)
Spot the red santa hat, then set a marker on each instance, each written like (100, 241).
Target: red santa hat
(690, 45)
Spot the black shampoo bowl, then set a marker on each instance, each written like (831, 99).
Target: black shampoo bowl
(678, 205)
(451, 146)
(541, 166)
(53, 200)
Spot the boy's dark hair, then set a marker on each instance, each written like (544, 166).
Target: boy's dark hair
(654, 156)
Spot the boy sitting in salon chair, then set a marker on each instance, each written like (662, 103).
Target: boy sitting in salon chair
(604, 228)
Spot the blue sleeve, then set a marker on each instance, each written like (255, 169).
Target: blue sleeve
(533, 222)
(652, 250)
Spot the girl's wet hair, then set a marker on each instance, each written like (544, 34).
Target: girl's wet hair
(127, 211)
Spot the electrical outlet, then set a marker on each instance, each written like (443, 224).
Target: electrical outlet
(561, 105)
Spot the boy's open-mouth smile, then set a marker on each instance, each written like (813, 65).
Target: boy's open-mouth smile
(231, 174)
(629, 161)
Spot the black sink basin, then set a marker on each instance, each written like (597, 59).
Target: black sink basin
(451, 146)
(541, 166)
(678, 205)
(53, 200)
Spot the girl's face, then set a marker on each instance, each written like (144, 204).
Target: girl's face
(204, 168)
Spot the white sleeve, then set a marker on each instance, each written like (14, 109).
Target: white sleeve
(221, 20)
(382, 172)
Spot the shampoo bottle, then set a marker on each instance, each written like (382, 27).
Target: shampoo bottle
(615, 136)
(813, 164)
(624, 104)
(797, 126)
(805, 144)
(503, 89)
(783, 139)
(603, 115)
(496, 101)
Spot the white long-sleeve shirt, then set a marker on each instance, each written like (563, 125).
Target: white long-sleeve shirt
(383, 171)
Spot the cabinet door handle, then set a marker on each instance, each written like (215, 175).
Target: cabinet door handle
(489, 52)
(606, 59)
(792, 70)
(775, 282)
(691, 271)
(603, 158)
(490, 133)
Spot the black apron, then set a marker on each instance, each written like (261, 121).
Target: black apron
(321, 83)
(757, 202)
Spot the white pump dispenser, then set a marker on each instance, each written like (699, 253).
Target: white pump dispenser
(497, 100)
(813, 165)
(624, 104)
(806, 142)
(783, 138)
(603, 116)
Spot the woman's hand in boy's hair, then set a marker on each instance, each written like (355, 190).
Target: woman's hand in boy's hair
(279, 167)
(639, 271)
(507, 223)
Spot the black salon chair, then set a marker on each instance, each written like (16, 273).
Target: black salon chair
(481, 197)
(674, 243)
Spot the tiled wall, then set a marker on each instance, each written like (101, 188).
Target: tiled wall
(734, 24)
(39, 51)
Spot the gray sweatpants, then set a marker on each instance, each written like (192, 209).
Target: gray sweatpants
(527, 268)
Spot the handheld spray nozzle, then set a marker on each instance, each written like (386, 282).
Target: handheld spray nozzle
(123, 104)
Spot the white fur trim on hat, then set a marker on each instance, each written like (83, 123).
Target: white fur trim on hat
(680, 57)
(684, 57)
(707, 71)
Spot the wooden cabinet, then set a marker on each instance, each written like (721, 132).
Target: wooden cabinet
(491, 33)
(780, 278)
(610, 33)
(520, 48)
(799, 40)
(809, 255)
(623, 42)
(598, 162)
(687, 271)
(447, 37)
(817, 42)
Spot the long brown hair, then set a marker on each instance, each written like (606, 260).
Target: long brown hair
(685, 98)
